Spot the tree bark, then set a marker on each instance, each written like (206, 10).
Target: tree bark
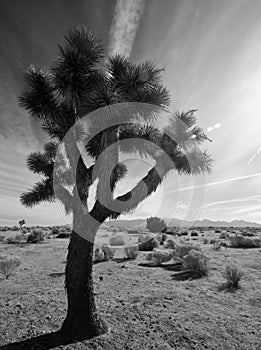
(82, 320)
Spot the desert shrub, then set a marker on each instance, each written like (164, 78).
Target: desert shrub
(224, 235)
(155, 224)
(161, 237)
(55, 231)
(183, 233)
(103, 253)
(11, 240)
(36, 236)
(108, 251)
(8, 264)
(195, 262)
(233, 275)
(216, 246)
(2, 238)
(194, 234)
(147, 243)
(98, 254)
(133, 232)
(244, 242)
(183, 249)
(217, 231)
(205, 241)
(117, 240)
(20, 238)
(169, 243)
(248, 234)
(131, 252)
(213, 241)
(63, 235)
(158, 256)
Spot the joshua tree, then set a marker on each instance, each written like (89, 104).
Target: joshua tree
(84, 85)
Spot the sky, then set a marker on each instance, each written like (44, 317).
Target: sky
(211, 53)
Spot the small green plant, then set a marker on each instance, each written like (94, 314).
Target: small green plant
(117, 240)
(195, 262)
(233, 276)
(8, 264)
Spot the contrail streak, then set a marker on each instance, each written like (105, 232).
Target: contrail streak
(126, 19)
(216, 182)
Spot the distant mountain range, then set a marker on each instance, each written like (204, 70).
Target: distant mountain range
(181, 223)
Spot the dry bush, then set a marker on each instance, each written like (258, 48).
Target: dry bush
(117, 240)
(108, 251)
(8, 264)
(216, 246)
(36, 236)
(103, 253)
(224, 235)
(158, 256)
(233, 275)
(183, 249)
(195, 262)
(244, 242)
(98, 254)
(169, 243)
(194, 234)
(131, 252)
(147, 242)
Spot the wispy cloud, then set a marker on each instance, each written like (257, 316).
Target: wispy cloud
(126, 19)
(233, 200)
(233, 179)
(254, 156)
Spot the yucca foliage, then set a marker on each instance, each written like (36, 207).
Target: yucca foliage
(79, 83)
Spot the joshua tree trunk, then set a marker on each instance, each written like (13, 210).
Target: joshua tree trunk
(82, 320)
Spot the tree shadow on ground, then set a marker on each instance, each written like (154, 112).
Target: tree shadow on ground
(41, 342)
(170, 267)
(57, 274)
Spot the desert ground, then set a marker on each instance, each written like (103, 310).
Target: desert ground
(146, 307)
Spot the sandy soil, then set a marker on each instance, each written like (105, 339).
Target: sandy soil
(145, 307)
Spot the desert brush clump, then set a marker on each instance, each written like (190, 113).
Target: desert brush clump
(8, 264)
(108, 251)
(158, 256)
(233, 275)
(103, 253)
(155, 224)
(181, 250)
(239, 241)
(117, 240)
(147, 242)
(131, 252)
(36, 236)
(169, 243)
(224, 235)
(195, 262)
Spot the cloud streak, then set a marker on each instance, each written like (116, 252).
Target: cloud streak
(126, 19)
(233, 179)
